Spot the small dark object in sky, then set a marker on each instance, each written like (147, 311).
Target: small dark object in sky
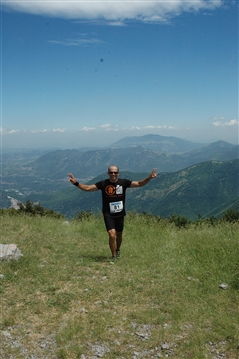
(101, 60)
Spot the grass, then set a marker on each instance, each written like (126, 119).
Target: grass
(64, 300)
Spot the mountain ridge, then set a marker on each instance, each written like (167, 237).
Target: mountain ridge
(88, 164)
(201, 189)
(44, 178)
(166, 144)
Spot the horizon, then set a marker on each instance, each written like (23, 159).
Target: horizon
(86, 148)
(82, 74)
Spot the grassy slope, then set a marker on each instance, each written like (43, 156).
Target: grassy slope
(164, 289)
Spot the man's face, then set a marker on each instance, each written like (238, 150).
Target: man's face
(113, 174)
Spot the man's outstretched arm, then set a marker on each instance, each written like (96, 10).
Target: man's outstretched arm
(83, 187)
(135, 184)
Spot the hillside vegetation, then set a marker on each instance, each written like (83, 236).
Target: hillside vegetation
(206, 189)
(55, 164)
(161, 299)
(193, 179)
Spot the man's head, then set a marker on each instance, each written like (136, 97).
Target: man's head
(113, 173)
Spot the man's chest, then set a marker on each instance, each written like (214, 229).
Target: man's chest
(112, 190)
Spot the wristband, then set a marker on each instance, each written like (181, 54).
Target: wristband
(76, 184)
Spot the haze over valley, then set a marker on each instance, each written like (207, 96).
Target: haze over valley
(192, 178)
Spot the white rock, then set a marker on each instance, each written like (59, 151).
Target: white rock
(9, 251)
(223, 286)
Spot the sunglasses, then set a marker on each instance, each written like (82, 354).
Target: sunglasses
(112, 173)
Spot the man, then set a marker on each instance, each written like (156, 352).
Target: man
(113, 200)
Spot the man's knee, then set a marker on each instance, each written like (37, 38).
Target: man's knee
(112, 233)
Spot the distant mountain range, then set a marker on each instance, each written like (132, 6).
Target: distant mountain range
(205, 189)
(85, 165)
(192, 178)
(157, 143)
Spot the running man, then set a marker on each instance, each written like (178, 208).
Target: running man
(113, 203)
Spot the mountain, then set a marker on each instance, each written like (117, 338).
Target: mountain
(85, 165)
(157, 143)
(205, 189)
(40, 176)
(219, 150)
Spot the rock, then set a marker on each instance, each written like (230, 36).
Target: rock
(14, 203)
(164, 346)
(223, 286)
(143, 336)
(6, 334)
(9, 251)
(83, 310)
(99, 350)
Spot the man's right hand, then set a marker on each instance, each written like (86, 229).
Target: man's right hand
(71, 178)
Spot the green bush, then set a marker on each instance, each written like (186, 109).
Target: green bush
(179, 221)
(32, 209)
(231, 215)
(36, 209)
(84, 216)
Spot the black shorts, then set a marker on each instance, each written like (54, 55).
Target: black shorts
(116, 223)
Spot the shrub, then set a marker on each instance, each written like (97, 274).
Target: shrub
(84, 216)
(231, 215)
(9, 211)
(32, 209)
(179, 221)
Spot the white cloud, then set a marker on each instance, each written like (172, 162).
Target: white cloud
(112, 129)
(140, 128)
(109, 127)
(77, 42)
(101, 127)
(86, 129)
(226, 123)
(113, 11)
(153, 128)
(105, 125)
(13, 131)
(39, 131)
(6, 131)
(59, 130)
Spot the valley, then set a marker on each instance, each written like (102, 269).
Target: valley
(202, 181)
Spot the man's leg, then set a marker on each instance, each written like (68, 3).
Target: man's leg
(112, 241)
(119, 236)
(114, 229)
(118, 243)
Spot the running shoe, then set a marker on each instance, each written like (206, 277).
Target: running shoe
(113, 260)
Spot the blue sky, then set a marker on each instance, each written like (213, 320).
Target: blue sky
(86, 73)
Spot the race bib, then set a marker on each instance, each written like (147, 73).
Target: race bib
(116, 207)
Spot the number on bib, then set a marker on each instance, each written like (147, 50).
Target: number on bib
(116, 207)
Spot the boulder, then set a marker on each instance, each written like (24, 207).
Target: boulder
(9, 251)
